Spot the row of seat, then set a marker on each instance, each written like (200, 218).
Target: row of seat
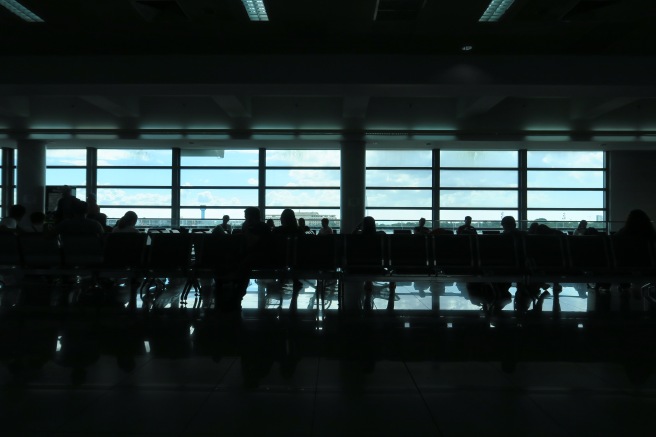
(411, 255)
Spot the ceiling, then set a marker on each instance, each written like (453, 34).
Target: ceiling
(391, 72)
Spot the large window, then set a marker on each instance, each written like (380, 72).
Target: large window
(214, 183)
(480, 184)
(138, 180)
(306, 181)
(566, 187)
(399, 187)
(68, 167)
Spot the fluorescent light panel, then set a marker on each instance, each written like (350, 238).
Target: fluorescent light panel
(255, 10)
(495, 10)
(25, 14)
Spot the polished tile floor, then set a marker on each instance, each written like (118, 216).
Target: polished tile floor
(76, 365)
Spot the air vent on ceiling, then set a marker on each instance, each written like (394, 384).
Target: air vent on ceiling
(160, 10)
(398, 10)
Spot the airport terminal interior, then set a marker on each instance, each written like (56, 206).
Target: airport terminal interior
(191, 112)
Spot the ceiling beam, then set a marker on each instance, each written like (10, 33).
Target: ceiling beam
(588, 111)
(234, 106)
(472, 107)
(15, 106)
(120, 109)
(355, 106)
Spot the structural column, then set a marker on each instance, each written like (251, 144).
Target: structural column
(352, 193)
(31, 175)
(7, 179)
(352, 208)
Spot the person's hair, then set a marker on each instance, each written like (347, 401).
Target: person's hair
(639, 222)
(301, 221)
(422, 220)
(79, 207)
(468, 218)
(270, 222)
(288, 218)
(17, 212)
(128, 219)
(582, 224)
(324, 221)
(226, 217)
(252, 213)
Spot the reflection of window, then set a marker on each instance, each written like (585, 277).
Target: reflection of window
(399, 186)
(481, 184)
(566, 186)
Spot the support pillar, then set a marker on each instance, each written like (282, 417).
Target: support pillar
(31, 175)
(352, 193)
(352, 209)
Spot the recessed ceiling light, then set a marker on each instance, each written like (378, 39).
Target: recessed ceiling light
(466, 48)
(18, 9)
(495, 10)
(255, 10)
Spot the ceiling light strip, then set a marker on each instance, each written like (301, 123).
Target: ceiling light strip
(255, 10)
(495, 10)
(18, 9)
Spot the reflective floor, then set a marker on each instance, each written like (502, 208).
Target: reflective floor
(76, 360)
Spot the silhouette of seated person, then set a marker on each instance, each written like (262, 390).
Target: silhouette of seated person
(325, 228)
(288, 224)
(581, 228)
(637, 229)
(422, 229)
(127, 223)
(303, 228)
(65, 205)
(17, 212)
(467, 228)
(225, 225)
(368, 227)
(37, 222)
(270, 223)
(78, 223)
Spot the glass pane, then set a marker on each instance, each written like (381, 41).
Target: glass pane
(134, 196)
(399, 198)
(555, 159)
(303, 178)
(66, 176)
(218, 177)
(312, 218)
(302, 158)
(573, 217)
(399, 178)
(478, 178)
(142, 177)
(134, 157)
(565, 179)
(218, 197)
(399, 158)
(478, 199)
(399, 218)
(219, 158)
(213, 215)
(148, 217)
(565, 199)
(452, 218)
(66, 157)
(478, 158)
(300, 198)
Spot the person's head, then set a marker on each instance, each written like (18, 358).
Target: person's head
(37, 218)
(368, 225)
(422, 222)
(288, 218)
(468, 220)
(639, 222)
(508, 223)
(226, 218)
(67, 191)
(583, 224)
(79, 208)
(17, 212)
(301, 222)
(251, 214)
(324, 222)
(533, 229)
(270, 223)
(128, 219)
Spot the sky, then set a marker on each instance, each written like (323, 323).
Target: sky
(470, 181)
